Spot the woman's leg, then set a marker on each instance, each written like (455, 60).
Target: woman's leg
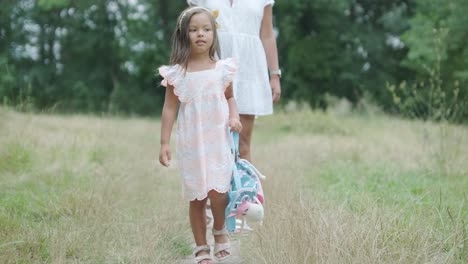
(219, 202)
(198, 222)
(246, 135)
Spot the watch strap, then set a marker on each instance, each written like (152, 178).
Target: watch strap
(275, 72)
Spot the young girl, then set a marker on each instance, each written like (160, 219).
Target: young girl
(200, 89)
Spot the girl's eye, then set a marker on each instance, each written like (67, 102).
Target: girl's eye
(207, 29)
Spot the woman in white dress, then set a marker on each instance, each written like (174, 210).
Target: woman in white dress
(246, 34)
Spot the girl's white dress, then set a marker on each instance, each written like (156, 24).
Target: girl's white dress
(202, 137)
(239, 36)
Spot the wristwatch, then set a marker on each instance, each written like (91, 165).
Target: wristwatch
(276, 72)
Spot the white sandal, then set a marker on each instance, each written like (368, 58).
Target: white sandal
(200, 258)
(219, 247)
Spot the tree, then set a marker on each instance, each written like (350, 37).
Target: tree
(340, 47)
(439, 57)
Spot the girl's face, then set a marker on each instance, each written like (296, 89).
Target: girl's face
(200, 33)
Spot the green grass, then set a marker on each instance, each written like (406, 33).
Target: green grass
(385, 167)
(15, 157)
(340, 189)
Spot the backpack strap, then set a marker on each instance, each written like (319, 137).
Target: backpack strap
(235, 141)
(235, 147)
(235, 184)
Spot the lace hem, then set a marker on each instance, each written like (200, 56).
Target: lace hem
(269, 2)
(202, 196)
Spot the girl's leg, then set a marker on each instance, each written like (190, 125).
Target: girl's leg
(198, 223)
(246, 135)
(219, 202)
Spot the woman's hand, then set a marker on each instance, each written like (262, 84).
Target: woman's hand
(165, 156)
(235, 124)
(275, 88)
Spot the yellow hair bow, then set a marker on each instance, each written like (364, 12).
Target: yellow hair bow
(215, 14)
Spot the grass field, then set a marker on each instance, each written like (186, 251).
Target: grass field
(340, 189)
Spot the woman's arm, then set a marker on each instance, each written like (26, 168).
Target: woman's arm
(269, 44)
(167, 122)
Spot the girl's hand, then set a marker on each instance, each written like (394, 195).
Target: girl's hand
(235, 124)
(165, 156)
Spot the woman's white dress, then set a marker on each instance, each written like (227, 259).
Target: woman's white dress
(239, 36)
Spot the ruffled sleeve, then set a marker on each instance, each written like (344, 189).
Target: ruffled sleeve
(229, 69)
(171, 75)
(267, 2)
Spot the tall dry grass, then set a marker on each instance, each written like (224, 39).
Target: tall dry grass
(89, 192)
(302, 226)
(340, 189)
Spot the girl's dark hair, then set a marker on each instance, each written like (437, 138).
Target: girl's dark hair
(181, 40)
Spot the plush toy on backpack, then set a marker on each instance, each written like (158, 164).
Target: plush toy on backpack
(246, 195)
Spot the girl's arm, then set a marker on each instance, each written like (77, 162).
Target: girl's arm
(269, 44)
(167, 122)
(234, 122)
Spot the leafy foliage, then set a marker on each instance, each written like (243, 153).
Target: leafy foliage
(85, 56)
(340, 47)
(88, 56)
(438, 56)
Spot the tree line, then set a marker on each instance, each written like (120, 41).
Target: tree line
(406, 56)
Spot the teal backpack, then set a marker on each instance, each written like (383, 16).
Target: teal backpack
(246, 190)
